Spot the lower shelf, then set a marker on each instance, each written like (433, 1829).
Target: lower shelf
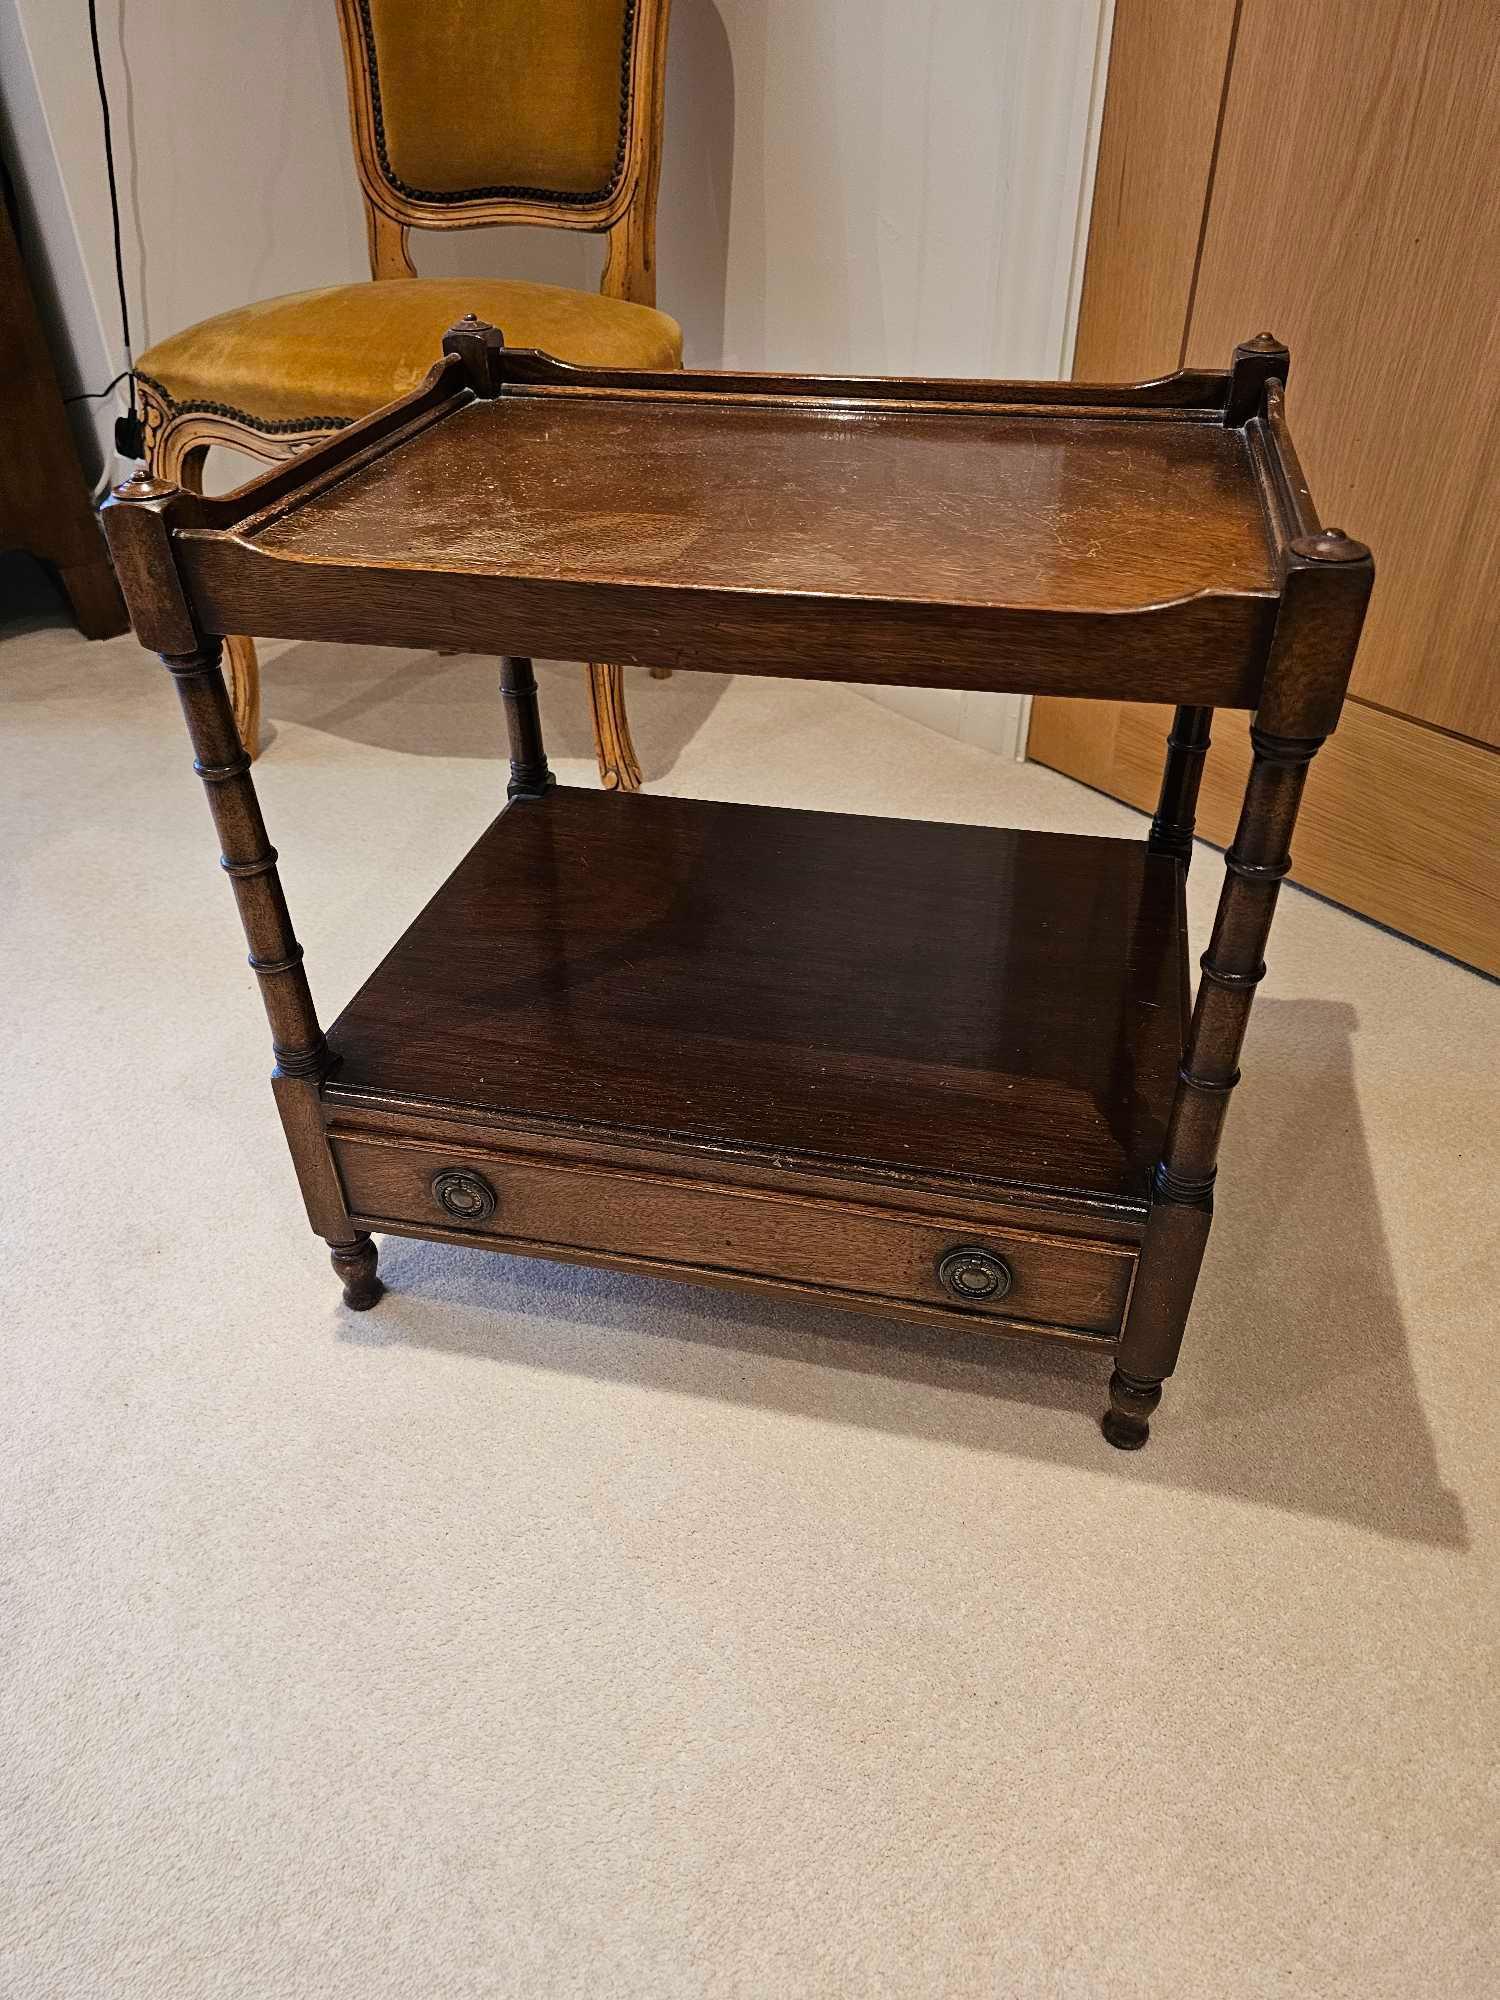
(970, 1005)
(769, 1047)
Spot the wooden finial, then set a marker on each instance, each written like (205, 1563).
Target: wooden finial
(1330, 545)
(1255, 363)
(143, 485)
(138, 519)
(481, 348)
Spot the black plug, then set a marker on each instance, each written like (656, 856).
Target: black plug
(130, 436)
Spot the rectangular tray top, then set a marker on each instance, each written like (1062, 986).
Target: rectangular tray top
(923, 534)
(960, 507)
(972, 1007)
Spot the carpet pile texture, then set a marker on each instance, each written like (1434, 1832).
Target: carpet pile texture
(549, 1632)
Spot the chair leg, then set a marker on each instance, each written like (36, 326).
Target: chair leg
(244, 690)
(618, 769)
(181, 459)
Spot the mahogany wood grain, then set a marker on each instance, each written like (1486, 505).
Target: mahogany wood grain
(717, 983)
(957, 508)
(1195, 390)
(877, 1062)
(887, 532)
(370, 1116)
(943, 1320)
(1218, 643)
(550, 1208)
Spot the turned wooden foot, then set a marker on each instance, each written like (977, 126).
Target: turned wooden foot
(355, 1263)
(1126, 1423)
(618, 769)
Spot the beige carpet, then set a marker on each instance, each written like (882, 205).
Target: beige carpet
(551, 1633)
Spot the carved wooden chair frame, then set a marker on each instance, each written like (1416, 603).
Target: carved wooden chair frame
(178, 440)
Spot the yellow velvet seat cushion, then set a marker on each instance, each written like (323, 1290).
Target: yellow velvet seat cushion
(343, 352)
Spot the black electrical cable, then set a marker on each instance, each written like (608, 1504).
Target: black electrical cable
(129, 434)
(93, 395)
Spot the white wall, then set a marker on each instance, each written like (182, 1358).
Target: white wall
(48, 242)
(890, 186)
(898, 180)
(887, 186)
(231, 142)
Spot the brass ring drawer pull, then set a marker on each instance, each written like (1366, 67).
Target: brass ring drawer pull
(466, 1196)
(973, 1275)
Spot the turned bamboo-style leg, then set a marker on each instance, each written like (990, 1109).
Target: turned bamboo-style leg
(249, 860)
(1325, 588)
(619, 770)
(139, 543)
(1182, 1197)
(613, 749)
(530, 777)
(1176, 809)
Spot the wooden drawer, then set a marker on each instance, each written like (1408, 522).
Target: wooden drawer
(846, 1251)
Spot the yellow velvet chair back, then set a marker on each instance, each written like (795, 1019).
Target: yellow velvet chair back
(474, 112)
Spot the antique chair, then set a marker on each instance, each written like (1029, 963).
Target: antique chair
(470, 113)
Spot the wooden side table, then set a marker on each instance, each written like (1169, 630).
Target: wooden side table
(953, 1073)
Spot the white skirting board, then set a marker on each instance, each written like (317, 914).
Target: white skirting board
(993, 721)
